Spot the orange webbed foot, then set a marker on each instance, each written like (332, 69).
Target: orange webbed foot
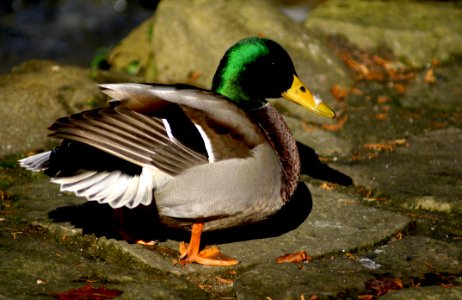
(209, 256)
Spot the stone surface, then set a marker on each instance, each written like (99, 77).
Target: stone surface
(381, 198)
(415, 256)
(405, 173)
(188, 43)
(425, 293)
(428, 30)
(317, 221)
(337, 278)
(36, 93)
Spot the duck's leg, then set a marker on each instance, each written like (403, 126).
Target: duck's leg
(210, 256)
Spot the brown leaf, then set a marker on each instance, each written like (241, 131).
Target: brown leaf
(381, 116)
(338, 92)
(399, 88)
(296, 257)
(327, 186)
(223, 280)
(383, 99)
(366, 297)
(335, 127)
(384, 285)
(430, 76)
(87, 292)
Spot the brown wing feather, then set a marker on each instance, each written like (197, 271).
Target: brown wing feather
(129, 135)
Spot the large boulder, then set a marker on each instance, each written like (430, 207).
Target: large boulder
(36, 93)
(417, 32)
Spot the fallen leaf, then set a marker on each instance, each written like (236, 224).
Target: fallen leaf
(381, 116)
(350, 256)
(144, 243)
(430, 76)
(307, 127)
(15, 234)
(327, 186)
(87, 292)
(338, 92)
(399, 88)
(356, 91)
(205, 286)
(383, 99)
(384, 285)
(193, 76)
(366, 297)
(222, 280)
(399, 236)
(296, 257)
(335, 127)
(439, 125)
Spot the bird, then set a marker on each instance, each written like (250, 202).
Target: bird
(206, 159)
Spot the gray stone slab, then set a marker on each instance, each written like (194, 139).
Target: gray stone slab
(425, 293)
(335, 224)
(425, 175)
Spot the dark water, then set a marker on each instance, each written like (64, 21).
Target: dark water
(67, 31)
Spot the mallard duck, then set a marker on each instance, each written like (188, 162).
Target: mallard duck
(207, 160)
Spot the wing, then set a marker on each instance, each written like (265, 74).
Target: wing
(226, 130)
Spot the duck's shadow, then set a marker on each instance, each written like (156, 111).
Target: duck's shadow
(139, 223)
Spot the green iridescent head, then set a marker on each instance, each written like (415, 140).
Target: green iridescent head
(252, 70)
(255, 69)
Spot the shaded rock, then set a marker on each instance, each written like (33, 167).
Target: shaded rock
(337, 278)
(135, 53)
(425, 293)
(442, 94)
(325, 143)
(415, 256)
(188, 43)
(415, 31)
(34, 265)
(36, 93)
(335, 223)
(425, 175)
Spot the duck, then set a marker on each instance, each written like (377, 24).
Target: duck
(206, 159)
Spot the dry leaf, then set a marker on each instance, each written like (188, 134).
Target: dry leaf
(384, 285)
(222, 280)
(430, 76)
(383, 99)
(296, 257)
(338, 92)
(193, 76)
(399, 88)
(366, 297)
(87, 292)
(381, 116)
(327, 186)
(335, 127)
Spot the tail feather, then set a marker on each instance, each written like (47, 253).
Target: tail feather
(37, 162)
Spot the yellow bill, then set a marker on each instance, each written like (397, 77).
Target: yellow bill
(300, 94)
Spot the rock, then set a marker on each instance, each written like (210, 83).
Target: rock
(135, 53)
(425, 293)
(415, 256)
(324, 143)
(424, 175)
(315, 220)
(36, 93)
(35, 265)
(189, 42)
(337, 278)
(444, 93)
(415, 31)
